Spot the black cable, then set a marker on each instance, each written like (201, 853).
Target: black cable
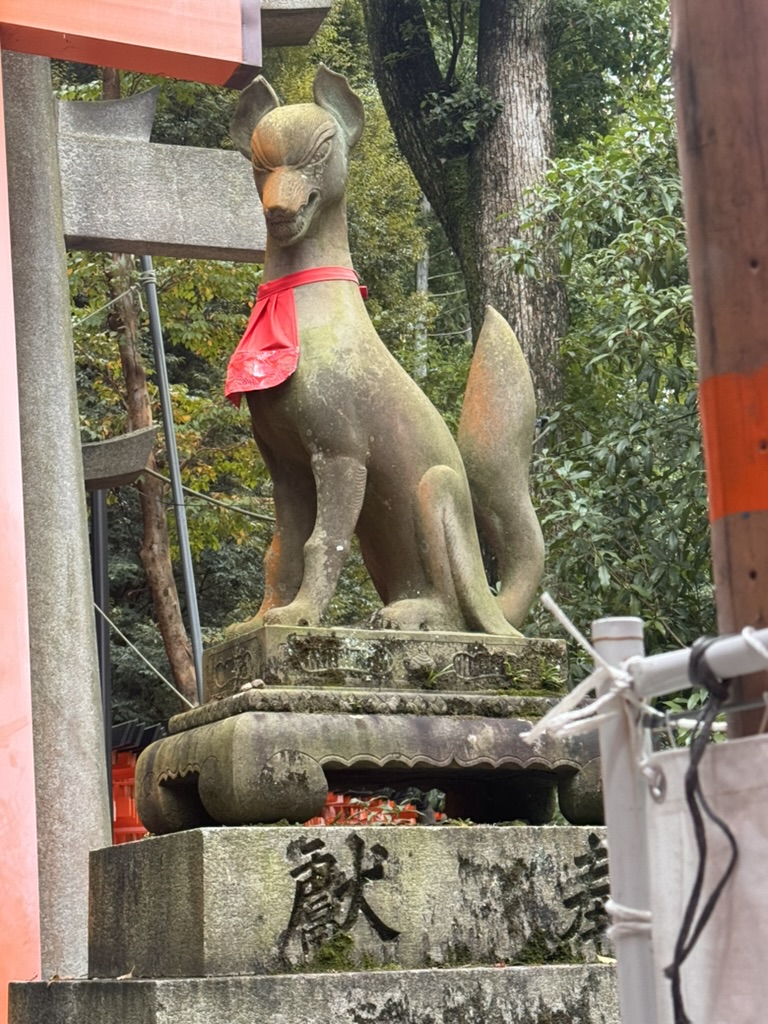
(700, 674)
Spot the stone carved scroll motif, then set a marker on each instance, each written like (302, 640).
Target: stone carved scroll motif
(234, 670)
(328, 900)
(350, 659)
(480, 665)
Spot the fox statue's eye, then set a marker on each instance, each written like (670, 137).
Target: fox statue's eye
(322, 152)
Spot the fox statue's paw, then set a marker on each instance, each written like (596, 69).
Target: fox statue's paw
(238, 628)
(416, 614)
(297, 613)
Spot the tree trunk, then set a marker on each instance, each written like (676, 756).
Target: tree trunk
(505, 163)
(476, 191)
(407, 72)
(155, 549)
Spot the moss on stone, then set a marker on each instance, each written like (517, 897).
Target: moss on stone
(335, 954)
(538, 950)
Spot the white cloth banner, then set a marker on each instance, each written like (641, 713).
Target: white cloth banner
(725, 978)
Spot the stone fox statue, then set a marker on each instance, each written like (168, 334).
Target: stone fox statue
(351, 442)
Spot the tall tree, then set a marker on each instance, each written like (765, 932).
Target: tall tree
(465, 85)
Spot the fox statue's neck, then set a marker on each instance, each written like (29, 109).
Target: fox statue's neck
(326, 244)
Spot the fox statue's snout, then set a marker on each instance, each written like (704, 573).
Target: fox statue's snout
(352, 443)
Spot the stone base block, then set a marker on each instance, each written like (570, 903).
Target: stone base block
(384, 659)
(502, 995)
(274, 899)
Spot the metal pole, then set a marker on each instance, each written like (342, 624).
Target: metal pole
(100, 576)
(617, 639)
(150, 289)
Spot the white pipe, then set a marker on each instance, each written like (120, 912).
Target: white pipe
(729, 657)
(621, 739)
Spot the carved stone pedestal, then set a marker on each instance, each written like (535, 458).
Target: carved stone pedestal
(578, 994)
(385, 659)
(336, 925)
(444, 711)
(352, 925)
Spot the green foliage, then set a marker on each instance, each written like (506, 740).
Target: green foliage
(687, 708)
(453, 28)
(203, 306)
(599, 51)
(458, 116)
(618, 471)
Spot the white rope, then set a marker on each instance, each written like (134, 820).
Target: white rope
(146, 661)
(79, 321)
(566, 718)
(626, 921)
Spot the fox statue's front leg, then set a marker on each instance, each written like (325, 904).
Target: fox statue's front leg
(340, 490)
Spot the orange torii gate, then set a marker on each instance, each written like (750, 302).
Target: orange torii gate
(213, 41)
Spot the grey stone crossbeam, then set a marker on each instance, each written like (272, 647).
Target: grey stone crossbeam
(291, 22)
(122, 193)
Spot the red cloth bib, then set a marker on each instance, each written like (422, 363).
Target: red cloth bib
(268, 352)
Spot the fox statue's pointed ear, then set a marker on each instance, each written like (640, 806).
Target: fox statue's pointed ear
(332, 93)
(256, 100)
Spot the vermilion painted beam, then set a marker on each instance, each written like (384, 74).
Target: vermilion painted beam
(19, 907)
(213, 41)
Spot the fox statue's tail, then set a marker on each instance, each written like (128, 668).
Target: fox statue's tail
(495, 440)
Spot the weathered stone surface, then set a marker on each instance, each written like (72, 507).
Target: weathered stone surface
(254, 900)
(385, 659)
(66, 703)
(129, 118)
(291, 22)
(254, 767)
(352, 443)
(580, 795)
(506, 995)
(343, 701)
(448, 708)
(126, 196)
(118, 460)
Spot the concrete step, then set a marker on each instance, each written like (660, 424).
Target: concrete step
(565, 994)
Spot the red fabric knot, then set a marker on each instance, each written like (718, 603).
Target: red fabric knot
(268, 352)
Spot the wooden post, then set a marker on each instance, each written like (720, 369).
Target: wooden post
(721, 86)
